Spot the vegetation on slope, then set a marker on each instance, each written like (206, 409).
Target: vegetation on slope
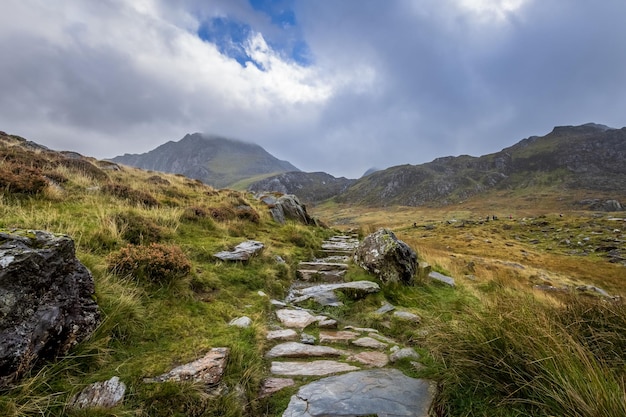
(494, 345)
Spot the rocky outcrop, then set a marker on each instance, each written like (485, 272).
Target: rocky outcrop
(242, 252)
(46, 300)
(311, 187)
(286, 207)
(389, 258)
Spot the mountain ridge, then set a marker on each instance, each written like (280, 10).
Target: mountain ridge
(588, 156)
(212, 159)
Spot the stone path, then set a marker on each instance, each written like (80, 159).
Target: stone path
(354, 364)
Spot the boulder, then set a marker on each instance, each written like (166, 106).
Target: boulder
(288, 207)
(389, 258)
(46, 301)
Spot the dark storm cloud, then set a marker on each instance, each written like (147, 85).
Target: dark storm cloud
(381, 83)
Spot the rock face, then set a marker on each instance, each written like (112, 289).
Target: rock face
(311, 187)
(46, 300)
(287, 207)
(383, 254)
(587, 157)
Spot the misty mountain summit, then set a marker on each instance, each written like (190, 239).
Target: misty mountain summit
(214, 160)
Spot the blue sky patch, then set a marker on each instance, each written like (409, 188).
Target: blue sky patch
(230, 35)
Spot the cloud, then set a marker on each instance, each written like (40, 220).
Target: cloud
(333, 86)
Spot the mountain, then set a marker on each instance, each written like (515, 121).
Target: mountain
(213, 160)
(587, 157)
(310, 187)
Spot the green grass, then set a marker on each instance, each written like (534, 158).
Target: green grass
(494, 347)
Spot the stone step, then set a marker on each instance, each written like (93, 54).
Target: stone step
(323, 266)
(314, 368)
(380, 392)
(312, 275)
(336, 252)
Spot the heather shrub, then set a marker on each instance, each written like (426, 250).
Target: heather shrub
(130, 194)
(20, 179)
(156, 263)
(137, 229)
(84, 167)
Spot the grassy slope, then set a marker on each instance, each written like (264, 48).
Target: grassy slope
(494, 346)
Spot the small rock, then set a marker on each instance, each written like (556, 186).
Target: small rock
(208, 369)
(405, 315)
(272, 385)
(307, 339)
(386, 308)
(409, 353)
(442, 278)
(327, 323)
(105, 394)
(241, 322)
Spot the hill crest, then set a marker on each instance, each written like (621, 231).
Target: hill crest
(214, 160)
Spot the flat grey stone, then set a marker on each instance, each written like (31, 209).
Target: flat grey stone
(373, 359)
(314, 368)
(441, 278)
(301, 350)
(323, 266)
(105, 394)
(369, 342)
(360, 287)
(208, 369)
(380, 392)
(295, 318)
(272, 385)
(286, 334)
(241, 322)
(405, 315)
(403, 354)
(385, 308)
(242, 252)
(343, 336)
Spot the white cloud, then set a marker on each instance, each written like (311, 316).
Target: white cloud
(498, 10)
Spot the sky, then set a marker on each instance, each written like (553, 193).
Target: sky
(328, 85)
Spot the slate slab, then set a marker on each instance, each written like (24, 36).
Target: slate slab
(302, 350)
(381, 392)
(314, 368)
(242, 252)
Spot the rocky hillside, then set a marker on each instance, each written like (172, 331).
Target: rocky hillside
(588, 157)
(213, 160)
(309, 186)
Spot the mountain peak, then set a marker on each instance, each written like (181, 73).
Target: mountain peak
(215, 160)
